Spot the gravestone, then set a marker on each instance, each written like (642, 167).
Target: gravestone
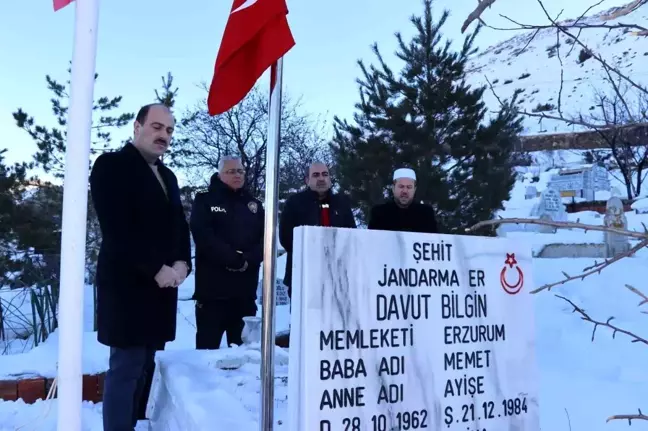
(552, 203)
(399, 330)
(615, 217)
(551, 208)
(281, 294)
(531, 192)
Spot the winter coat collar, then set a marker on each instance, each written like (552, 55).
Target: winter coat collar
(131, 150)
(316, 197)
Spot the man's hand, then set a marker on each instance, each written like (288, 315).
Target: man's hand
(166, 277)
(181, 270)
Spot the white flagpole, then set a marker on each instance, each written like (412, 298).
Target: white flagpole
(270, 251)
(75, 201)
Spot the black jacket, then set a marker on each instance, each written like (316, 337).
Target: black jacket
(304, 209)
(417, 217)
(141, 230)
(223, 222)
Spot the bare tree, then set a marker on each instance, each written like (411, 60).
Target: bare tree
(594, 269)
(618, 109)
(627, 145)
(621, 105)
(617, 120)
(614, 13)
(243, 131)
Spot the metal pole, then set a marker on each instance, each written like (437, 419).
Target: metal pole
(270, 250)
(75, 202)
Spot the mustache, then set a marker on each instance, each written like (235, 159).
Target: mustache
(161, 141)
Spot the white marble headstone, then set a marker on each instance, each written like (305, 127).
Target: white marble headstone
(551, 205)
(395, 331)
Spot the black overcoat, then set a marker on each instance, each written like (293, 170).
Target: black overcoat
(417, 217)
(304, 209)
(142, 229)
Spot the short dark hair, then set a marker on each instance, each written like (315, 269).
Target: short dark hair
(144, 110)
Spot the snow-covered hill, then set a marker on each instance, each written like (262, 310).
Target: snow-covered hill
(530, 64)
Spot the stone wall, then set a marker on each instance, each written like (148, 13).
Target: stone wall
(32, 389)
(586, 140)
(598, 206)
(559, 251)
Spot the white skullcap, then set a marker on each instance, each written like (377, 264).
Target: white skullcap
(404, 173)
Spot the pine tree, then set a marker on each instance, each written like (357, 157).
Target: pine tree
(167, 96)
(12, 180)
(51, 142)
(39, 228)
(428, 118)
(29, 255)
(50, 155)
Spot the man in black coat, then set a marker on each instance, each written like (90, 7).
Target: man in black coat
(315, 206)
(227, 225)
(402, 213)
(145, 255)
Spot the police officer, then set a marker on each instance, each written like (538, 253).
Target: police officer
(227, 224)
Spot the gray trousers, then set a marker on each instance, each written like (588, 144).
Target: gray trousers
(127, 385)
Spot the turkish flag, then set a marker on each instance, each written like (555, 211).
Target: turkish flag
(60, 4)
(257, 34)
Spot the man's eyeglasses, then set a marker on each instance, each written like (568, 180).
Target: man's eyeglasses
(235, 171)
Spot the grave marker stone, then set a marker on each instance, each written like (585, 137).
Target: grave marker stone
(550, 207)
(615, 217)
(409, 331)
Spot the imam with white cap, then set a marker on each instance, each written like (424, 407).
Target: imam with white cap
(402, 213)
(404, 173)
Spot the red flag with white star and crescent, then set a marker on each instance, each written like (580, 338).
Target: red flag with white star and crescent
(257, 34)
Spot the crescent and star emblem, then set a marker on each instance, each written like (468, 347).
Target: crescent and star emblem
(514, 288)
(245, 5)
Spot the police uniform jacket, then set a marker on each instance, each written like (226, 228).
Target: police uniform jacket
(227, 228)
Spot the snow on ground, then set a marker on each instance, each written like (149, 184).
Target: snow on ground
(530, 64)
(582, 382)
